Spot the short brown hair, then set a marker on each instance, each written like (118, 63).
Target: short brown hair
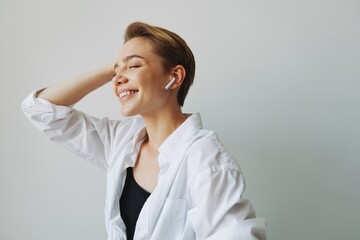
(171, 47)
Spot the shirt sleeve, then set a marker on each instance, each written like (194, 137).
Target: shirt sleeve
(84, 135)
(220, 211)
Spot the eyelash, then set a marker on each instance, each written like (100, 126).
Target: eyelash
(134, 66)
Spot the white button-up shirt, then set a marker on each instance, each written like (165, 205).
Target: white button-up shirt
(200, 185)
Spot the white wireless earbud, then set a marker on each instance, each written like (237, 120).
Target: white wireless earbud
(170, 83)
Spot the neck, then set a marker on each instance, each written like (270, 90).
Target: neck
(161, 125)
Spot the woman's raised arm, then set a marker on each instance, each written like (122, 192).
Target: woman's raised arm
(69, 92)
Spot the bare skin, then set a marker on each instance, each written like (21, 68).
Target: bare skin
(69, 92)
(158, 107)
(139, 83)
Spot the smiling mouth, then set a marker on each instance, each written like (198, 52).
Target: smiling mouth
(127, 93)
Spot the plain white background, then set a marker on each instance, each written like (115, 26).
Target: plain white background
(278, 80)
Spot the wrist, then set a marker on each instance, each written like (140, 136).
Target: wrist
(108, 70)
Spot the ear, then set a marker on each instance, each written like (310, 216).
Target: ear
(179, 74)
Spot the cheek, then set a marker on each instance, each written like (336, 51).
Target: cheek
(148, 82)
(150, 79)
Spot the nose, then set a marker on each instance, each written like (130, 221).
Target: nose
(119, 79)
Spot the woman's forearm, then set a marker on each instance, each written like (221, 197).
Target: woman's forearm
(69, 92)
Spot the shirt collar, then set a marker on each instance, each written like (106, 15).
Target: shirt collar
(178, 140)
(139, 137)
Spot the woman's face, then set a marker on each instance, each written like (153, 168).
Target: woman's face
(140, 79)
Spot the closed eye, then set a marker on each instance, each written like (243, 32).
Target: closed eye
(134, 66)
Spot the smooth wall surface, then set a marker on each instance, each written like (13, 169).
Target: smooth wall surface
(278, 80)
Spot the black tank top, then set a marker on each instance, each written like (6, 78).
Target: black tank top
(131, 202)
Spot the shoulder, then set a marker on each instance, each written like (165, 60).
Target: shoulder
(129, 123)
(208, 154)
(125, 129)
(211, 167)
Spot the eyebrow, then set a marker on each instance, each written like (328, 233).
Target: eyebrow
(126, 59)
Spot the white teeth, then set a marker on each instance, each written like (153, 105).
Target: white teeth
(126, 93)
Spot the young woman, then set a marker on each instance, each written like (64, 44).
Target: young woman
(167, 177)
